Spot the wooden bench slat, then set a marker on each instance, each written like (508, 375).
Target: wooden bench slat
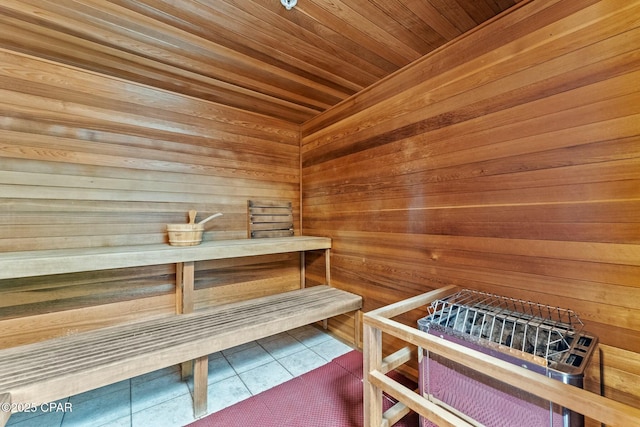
(280, 204)
(14, 265)
(240, 311)
(74, 358)
(85, 361)
(270, 226)
(270, 234)
(185, 328)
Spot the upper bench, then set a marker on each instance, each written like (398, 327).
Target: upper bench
(59, 261)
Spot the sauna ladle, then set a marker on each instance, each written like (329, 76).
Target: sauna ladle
(210, 217)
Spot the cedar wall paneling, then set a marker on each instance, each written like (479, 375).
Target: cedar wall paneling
(508, 161)
(88, 160)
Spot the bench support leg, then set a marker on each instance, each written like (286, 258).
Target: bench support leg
(200, 383)
(185, 278)
(302, 271)
(327, 266)
(186, 369)
(5, 402)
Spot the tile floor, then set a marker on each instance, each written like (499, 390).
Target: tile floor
(160, 398)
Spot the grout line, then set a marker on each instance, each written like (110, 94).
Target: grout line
(130, 403)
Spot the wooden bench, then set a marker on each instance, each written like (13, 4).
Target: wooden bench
(42, 372)
(49, 370)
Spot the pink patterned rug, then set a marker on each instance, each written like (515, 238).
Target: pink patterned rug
(330, 396)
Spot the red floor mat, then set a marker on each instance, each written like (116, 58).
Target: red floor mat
(330, 396)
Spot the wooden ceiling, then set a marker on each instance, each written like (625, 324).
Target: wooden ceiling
(251, 54)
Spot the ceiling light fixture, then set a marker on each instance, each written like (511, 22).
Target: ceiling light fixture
(289, 4)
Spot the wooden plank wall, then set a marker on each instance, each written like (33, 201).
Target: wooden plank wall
(508, 161)
(88, 160)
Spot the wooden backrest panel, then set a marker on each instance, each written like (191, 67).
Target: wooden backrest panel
(269, 218)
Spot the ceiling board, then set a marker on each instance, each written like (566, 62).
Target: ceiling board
(250, 54)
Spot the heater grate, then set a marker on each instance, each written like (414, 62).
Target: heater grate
(549, 336)
(545, 339)
(533, 328)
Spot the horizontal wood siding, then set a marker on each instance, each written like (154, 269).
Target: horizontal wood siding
(507, 161)
(88, 160)
(253, 54)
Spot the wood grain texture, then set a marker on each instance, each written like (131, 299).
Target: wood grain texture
(63, 261)
(53, 369)
(92, 161)
(620, 374)
(253, 55)
(594, 406)
(118, 117)
(506, 161)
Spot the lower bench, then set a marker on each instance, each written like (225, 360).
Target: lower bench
(50, 370)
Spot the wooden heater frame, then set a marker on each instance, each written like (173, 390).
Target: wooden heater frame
(379, 321)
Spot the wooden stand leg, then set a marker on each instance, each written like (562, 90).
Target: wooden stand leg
(372, 352)
(357, 322)
(200, 383)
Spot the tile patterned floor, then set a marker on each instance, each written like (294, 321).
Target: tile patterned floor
(161, 399)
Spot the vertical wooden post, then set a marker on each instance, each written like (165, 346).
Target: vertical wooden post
(200, 384)
(327, 266)
(179, 287)
(327, 275)
(303, 270)
(357, 322)
(185, 279)
(372, 352)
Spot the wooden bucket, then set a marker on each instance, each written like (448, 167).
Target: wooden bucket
(185, 234)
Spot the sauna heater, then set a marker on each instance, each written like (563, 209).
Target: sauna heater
(544, 339)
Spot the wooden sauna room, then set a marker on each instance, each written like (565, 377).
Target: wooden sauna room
(335, 167)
